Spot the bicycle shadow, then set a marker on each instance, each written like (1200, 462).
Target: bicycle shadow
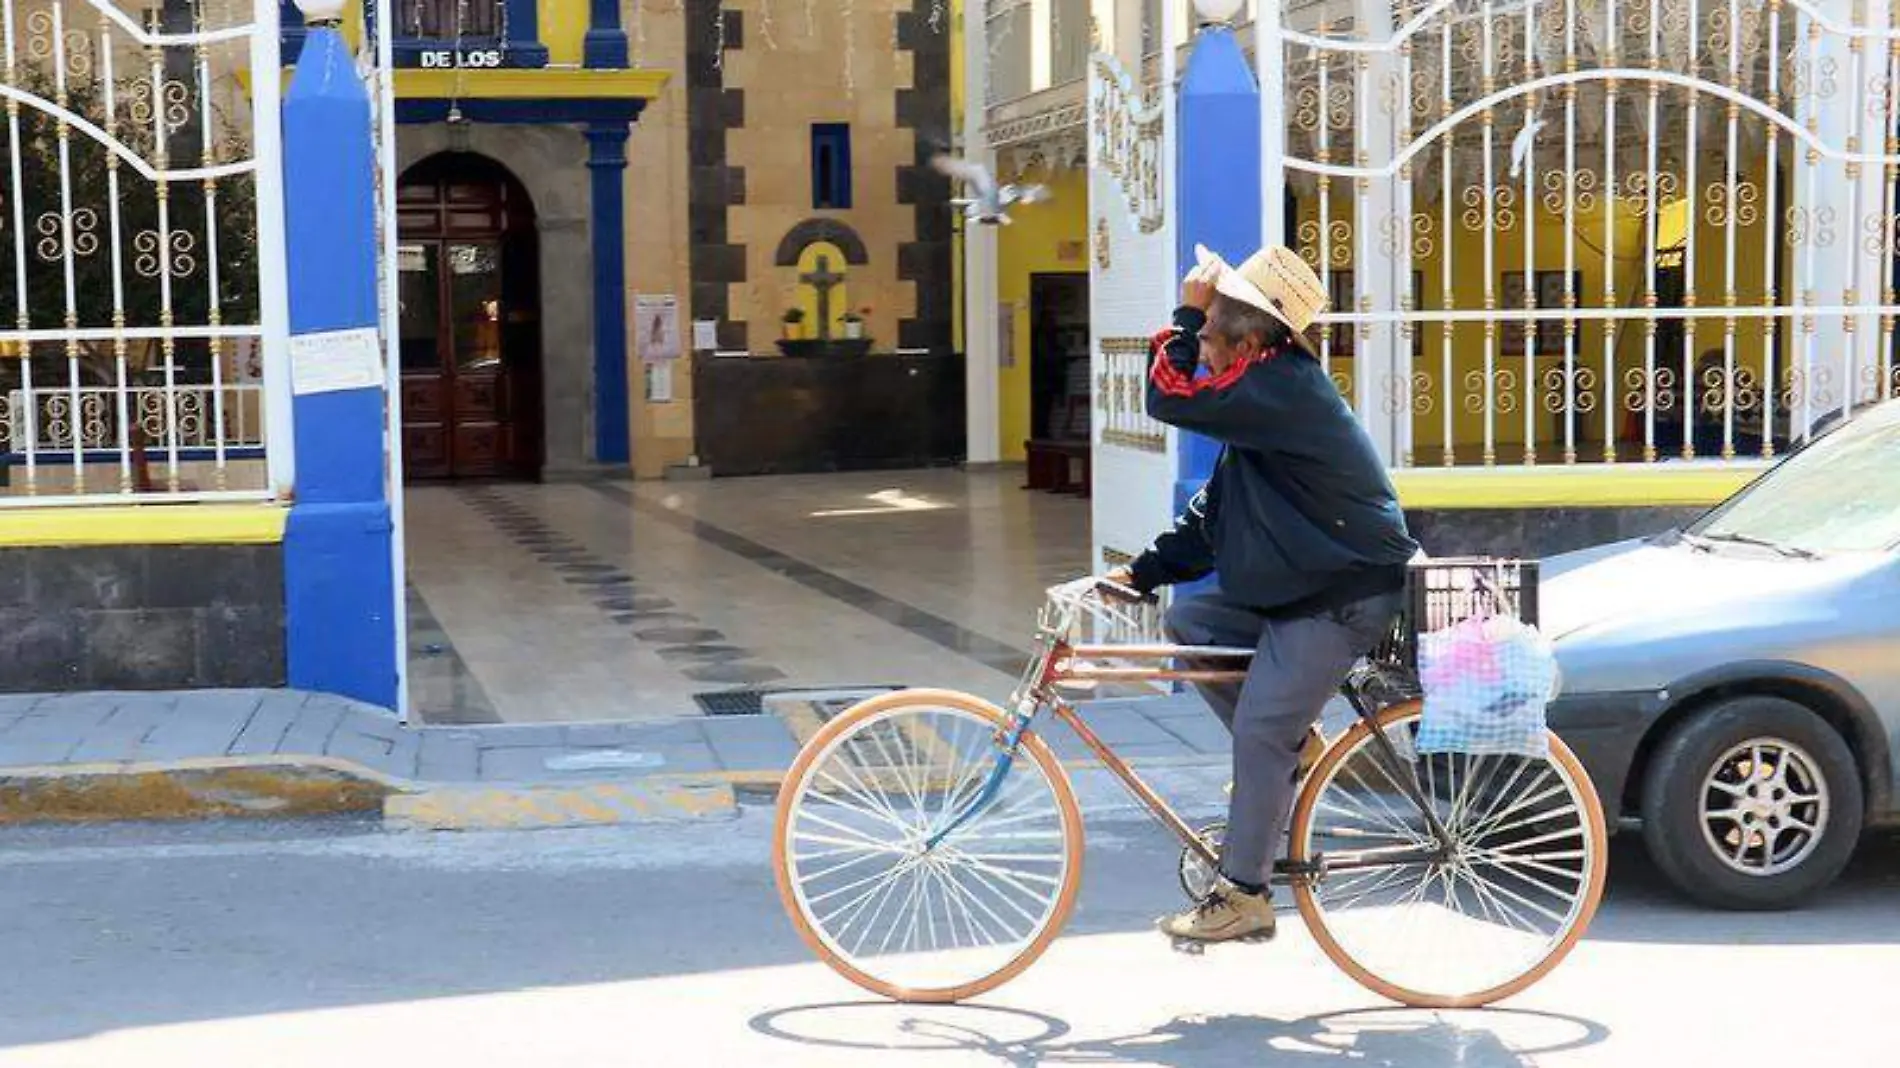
(1386, 1037)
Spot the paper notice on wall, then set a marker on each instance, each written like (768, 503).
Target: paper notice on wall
(1006, 334)
(336, 360)
(656, 325)
(659, 382)
(705, 335)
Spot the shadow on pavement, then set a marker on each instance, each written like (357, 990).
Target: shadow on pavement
(1639, 905)
(1400, 1038)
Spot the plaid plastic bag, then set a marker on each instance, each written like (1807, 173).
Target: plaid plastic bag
(1487, 683)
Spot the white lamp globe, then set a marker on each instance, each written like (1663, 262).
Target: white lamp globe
(315, 11)
(1218, 10)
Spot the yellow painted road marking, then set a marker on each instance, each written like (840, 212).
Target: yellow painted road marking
(467, 808)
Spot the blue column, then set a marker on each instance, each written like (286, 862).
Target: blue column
(607, 163)
(1219, 186)
(290, 40)
(339, 591)
(1219, 189)
(605, 45)
(524, 45)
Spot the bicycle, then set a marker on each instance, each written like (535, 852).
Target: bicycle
(928, 845)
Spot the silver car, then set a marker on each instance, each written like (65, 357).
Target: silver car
(1734, 686)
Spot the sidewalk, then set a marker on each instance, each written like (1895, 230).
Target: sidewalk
(99, 756)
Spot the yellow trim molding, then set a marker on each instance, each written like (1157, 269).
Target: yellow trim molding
(517, 83)
(1686, 485)
(172, 524)
(530, 83)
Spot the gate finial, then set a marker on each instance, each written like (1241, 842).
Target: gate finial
(326, 13)
(1217, 11)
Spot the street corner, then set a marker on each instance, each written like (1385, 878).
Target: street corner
(656, 799)
(184, 790)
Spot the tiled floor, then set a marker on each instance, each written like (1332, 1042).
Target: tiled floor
(624, 600)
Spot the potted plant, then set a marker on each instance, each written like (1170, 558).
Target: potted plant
(793, 319)
(854, 323)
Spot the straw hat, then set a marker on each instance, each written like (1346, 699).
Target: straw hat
(1275, 280)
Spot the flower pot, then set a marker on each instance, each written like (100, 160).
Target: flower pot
(853, 329)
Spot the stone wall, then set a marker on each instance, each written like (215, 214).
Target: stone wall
(1536, 532)
(150, 617)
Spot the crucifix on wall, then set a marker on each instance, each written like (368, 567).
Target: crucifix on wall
(823, 280)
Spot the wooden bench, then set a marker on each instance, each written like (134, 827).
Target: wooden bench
(1059, 465)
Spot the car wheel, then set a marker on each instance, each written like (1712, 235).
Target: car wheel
(1752, 803)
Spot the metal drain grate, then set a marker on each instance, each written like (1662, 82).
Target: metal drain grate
(732, 703)
(752, 702)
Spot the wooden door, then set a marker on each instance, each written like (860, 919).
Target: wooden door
(470, 380)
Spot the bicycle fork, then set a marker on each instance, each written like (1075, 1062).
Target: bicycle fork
(1007, 740)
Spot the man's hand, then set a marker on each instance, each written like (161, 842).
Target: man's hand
(1123, 585)
(1197, 289)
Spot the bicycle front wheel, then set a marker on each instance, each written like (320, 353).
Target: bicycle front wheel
(877, 888)
(1515, 891)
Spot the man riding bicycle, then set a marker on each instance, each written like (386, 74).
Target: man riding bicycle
(1303, 526)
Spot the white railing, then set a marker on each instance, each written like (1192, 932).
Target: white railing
(1595, 230)
(140, 251)
(200, 439)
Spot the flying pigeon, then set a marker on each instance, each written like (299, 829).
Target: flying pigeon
(1521, 145)
(988, 201)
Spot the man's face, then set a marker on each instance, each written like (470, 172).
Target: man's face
(1217, 353)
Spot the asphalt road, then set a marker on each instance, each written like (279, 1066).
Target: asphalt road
(333, 942)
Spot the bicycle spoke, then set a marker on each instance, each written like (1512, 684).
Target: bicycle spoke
(871, 811)
(890, 875)
(982, 906)
(1390, 820)
(854, 843)
(873, 806)
(840, 828)
(818, 876)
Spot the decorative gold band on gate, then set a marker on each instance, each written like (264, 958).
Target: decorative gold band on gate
(1121, 394)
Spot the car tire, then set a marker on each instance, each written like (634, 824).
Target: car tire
(1806, 777)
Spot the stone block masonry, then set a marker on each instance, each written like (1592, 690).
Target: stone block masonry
(141, 617)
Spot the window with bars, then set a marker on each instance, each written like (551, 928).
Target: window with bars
(448, 20)
(831, 165)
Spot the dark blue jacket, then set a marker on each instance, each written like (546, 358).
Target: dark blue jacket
(1300, 515)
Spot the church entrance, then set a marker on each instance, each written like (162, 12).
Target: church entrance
(470, 321)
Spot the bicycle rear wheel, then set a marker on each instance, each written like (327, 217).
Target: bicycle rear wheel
(865, 887)
(1522, 881)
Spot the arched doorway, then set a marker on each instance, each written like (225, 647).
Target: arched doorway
(470, 320)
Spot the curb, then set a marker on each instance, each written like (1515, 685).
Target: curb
(199, 788)
(289, 787)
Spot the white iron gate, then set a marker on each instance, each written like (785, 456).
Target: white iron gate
(140, 256)
(1564, 230)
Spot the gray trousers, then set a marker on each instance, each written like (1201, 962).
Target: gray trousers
(1298, 666)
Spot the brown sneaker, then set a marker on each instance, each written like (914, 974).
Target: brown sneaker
(1225, 914)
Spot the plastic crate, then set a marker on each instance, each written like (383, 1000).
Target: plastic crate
(1442, 592)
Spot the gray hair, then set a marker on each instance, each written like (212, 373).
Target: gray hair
(1235, 321)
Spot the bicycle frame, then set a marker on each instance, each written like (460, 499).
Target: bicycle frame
(1059, 662)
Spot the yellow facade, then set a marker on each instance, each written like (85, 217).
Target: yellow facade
(1042, 238)
(793, 65)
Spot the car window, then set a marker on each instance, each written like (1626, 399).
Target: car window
(1841, 494)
